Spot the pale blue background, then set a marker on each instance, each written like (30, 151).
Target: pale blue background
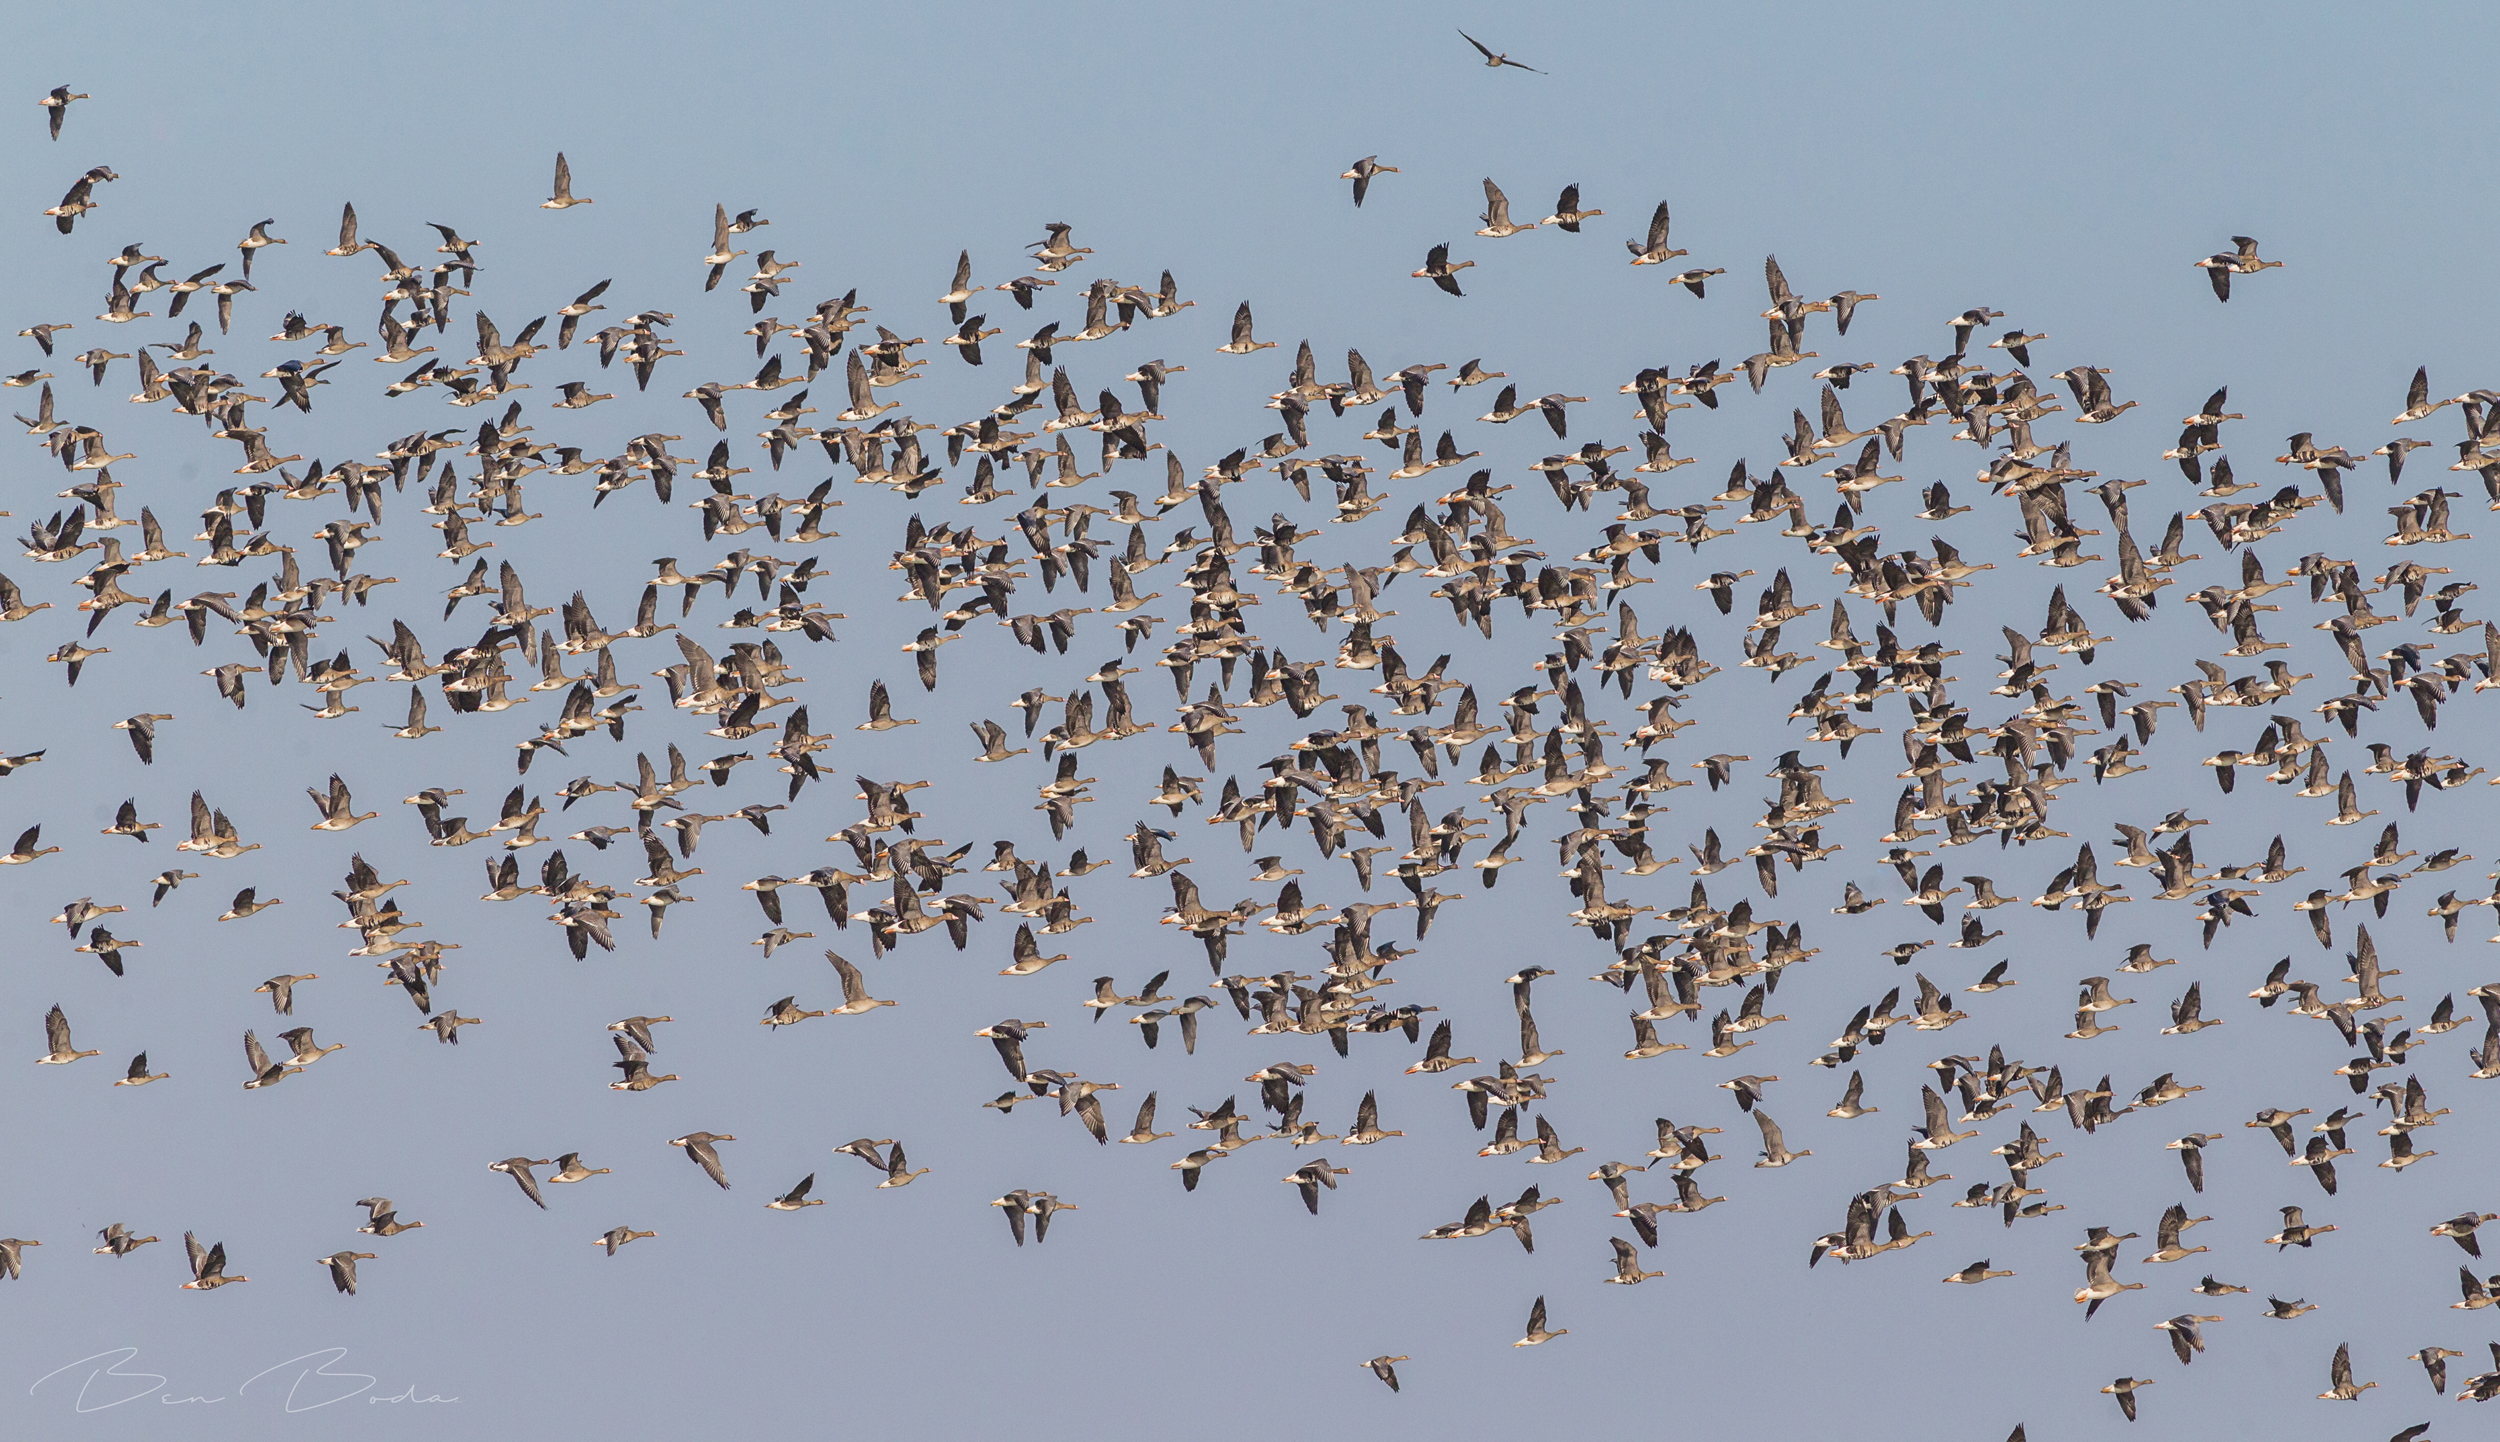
(2064, 167)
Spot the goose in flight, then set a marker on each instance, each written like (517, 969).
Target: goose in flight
(342, 1267)
(698, 1148)
(1537, 1335)
(1361, 173)
(898, 1172)
(1496, 217)
(2124, 1389)
(1567, 214)
(1243, 342)
(615, 1237)
(2340, 1386)
(1441, 270)
(59, 1050)
(1495, 62)
(56, 104)
(1655, 250)
(208, 1266)
(518, 1168)
(1628, 1265)
(636, 1065)
(564, 197)
(118, 1241)
(2221, 266)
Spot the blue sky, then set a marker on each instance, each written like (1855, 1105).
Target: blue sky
(2061, 167)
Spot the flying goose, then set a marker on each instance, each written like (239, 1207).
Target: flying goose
(564, 197)
(698, 1148)
(1361, 173)
(342, 1265)
(797, 1197)
(56, 103)
(138, 1075)
(1496, 217)
(615, 1237)
(1494, 62)
(1537, 1334)
(59, 1050)
(518, 1168)
(208, 1266)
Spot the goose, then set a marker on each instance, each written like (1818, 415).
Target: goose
(2296, 1231)
(2341, 1387)
(1849, 1108)
(569, 1168)
(2124, 1389)
(208, 1266)
(118, 1241)
(1568, 215)
(247, 904)
(1775, 1152)
(251, 245)
(1361, 173)
(2220, 267)
(2279, 1122)
(2191, 1150)
(1537, 1333)
(1190, 1165)
(138, 1075)
(1310, 1177)
(26, 850)
(2460, 1229)
(721, 253)
(1441, 270)
(797, 1197)
(881, 715)
(1492, 62)
(1437, 1056)
(1366, 1129)
(10, 1259)
(2434, 1362)
(2173, 1222)
(77, 914)
(1654, 250)
(1496, 217)
(1628, 1265)
(564, 197)
(898, 1173)
(615, 1237)
(307, 1051)
(867, 1150)
(59, 1050)
(2099, 1285)
(698, 1148)
(342, 1265)
(855, 997)
(785, 1012)
(1384, 1367)
(56, 103)
(518, 1168)
(1242, 342)
(1016, 1205)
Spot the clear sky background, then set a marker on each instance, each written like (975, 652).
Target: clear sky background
(2064, 167)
